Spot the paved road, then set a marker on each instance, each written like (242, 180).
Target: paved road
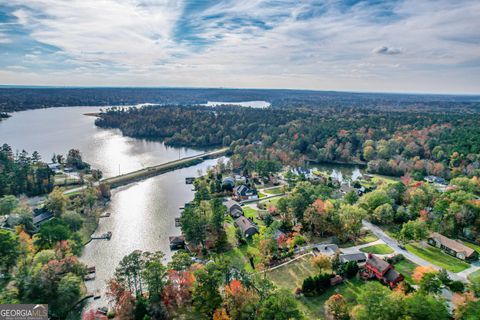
(149, 171)
(462, 276)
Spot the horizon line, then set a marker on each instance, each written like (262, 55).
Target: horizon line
(19, 86)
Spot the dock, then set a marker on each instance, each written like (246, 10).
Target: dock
(189, 180)
(105, 215)
(105, 236)
(177, 222)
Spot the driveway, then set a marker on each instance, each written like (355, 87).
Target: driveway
(462, 276)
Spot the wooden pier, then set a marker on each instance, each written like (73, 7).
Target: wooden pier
(105, 236)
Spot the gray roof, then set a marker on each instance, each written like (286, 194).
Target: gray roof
(244, 224)
(38, 219)
(231, 204)
(353, 256)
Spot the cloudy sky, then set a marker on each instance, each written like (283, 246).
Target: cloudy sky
(399, 46)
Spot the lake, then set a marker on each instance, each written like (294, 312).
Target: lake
(142, 214)
(57, 130)
(251, 104)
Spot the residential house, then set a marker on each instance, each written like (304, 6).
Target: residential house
(228, 183)
(242, 192)
(40, 216)
(176, 242)
(247, 227)
(234, 208)
(436, 180)
(327, 249)
(452, 247)
(359, 257)
(381, 270)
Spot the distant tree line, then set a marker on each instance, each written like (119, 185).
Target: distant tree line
(393, 143)
(18, 98)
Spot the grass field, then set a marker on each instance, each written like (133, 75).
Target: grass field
(314, 306)
(475, 277)
(378, 249)
(367, 238)
(471, 245)
(249, 212)
(291, 276)
(406, 267)
(437, 257)
(277, 190)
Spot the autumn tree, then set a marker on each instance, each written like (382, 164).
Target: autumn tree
(336, 308)
(322, 262)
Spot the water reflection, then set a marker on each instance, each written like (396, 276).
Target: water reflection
(56, 130)
(143, 217)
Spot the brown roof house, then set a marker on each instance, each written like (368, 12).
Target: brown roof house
(452, 247)
(246, 226)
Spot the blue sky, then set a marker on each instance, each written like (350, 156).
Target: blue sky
(396, 46)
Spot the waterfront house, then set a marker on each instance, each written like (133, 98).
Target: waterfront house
(247, 227)
(176, 242)
(359, 257)
(233, 208)
(381, 270)
(452, 247)
(228, 183)
(242, 192)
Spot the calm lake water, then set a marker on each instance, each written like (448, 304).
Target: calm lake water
(57, 130)
(142, 213)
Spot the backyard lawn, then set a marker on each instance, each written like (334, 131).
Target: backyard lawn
(277, 190)
(291, 276)
(314, 306)
(250, 212)
(437, 257)
(406, 267)
(475, 247)
(367, 238)
(378, 249)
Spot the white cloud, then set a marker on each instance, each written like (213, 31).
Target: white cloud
(131, 42)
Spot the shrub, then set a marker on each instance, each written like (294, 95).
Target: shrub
(456, 286)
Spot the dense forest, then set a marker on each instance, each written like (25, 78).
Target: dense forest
(21, 173)
(394, 143)
(22, 98)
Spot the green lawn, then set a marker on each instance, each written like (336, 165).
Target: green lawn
(378, 249)
(406, 267)
(471, 245)
(262, 195)
(313, 306)
(271, 201)
(250, 212)
(437, 257)
(238, 254)
(291, 277)
(367, 238)
(475, 277)
(277, 190)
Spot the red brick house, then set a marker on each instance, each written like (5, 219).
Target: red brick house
(381, 270)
